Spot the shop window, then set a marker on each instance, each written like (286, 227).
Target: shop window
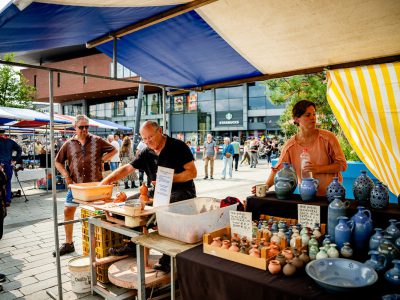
(257, 103)
(178, 103)
(260, 119)
(153, 104)
(206, 106)
(256, 89)
(191, 102)
(251, 120)
(205, 96)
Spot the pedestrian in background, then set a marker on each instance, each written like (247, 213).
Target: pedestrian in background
(236, 148)
(209, 155)
(126, 156)
(114, 162)
(227, 157)
(192, 149)
(253, 152)
(246, 153)
(7, 147)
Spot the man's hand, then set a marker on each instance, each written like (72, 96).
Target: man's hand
(69, 180)
(13, 163)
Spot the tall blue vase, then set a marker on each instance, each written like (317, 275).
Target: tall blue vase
(335, 188)
(362, 188)
(362, 228)
(376, 239)
(343, 231)
(392, 229)
(336, 208)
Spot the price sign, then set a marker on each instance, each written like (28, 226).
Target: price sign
(308, 215)
(162, 193)
(241, 223)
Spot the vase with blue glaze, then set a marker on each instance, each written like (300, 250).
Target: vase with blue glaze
(392, 229)
(379, 197)
(377, 261)
(393, 275)
(336, 208)
(343, 231)
(362, 228)
(375, 240)
(308, 189)
(362, 188)
(285, 182)
(335, 188)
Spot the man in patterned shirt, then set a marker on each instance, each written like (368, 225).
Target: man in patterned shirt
(84, 154)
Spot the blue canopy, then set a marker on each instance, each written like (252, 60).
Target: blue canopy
(115, 125)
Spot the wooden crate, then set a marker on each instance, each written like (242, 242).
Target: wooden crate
(256, 262)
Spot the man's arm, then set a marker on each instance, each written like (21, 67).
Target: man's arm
(118, 174)
(189, 173)
(60, 167)
(108, 155)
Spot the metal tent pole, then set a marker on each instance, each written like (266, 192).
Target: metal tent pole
(164, 109)
(138, 114)
(47, 163)
(53, 190)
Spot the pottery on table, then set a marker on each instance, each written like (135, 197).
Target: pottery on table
(327, 241)
(305, 238)
(343, 231)
(332, 251)
(388, 248)
(281, 258)
(362, 188)
(289, 269)
(312, 252)
(285, 182)
(335, 188)
(377, 261)
(393, 275)
(234, 247)
(336, 208)
(216, 242)
(375, 239)
(304, 257)
(297, 262)
(346, 251)
(274, 267)
(379, 197)
(287, 253)
(392, 229)
(316, 232)
(362, 228)
(321, 254)
(226, 244)
(308, 189)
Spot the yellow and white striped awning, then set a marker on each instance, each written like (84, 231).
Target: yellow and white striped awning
(366, 102)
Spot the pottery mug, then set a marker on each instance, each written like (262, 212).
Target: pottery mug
(261, 190)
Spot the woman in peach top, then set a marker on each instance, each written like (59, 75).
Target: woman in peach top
(327, 158)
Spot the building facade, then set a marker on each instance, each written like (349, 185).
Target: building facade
(242, 110)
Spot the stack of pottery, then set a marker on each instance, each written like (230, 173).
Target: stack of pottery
(335, 188)
(379, 197)
(285, 182)
(308, 189)
(362, 188)
(362, 228)
(336, 208)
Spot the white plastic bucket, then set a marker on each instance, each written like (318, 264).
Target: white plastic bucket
(79, 268)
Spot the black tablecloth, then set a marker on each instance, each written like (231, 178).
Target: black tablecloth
(272, 206)
(202, 276)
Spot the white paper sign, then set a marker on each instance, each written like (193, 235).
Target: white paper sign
(162, 193)
(308, 215)
(241, 223)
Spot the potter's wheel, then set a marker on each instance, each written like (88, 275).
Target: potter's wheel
(123, 273)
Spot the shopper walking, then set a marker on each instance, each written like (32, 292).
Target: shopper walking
(246, 153)
(227, 157)
(236, 148)
(253, 153)
(114, 162)
(126, 156)
(84, 154)
(209, 155)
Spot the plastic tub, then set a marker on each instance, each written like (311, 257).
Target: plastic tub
(188, 220)
(79, 267)
(91, 191)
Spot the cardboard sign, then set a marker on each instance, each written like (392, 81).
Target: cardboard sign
(162, 193)
(241, 223)
(308, 215)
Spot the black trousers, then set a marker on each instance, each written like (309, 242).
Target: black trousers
(236, 160)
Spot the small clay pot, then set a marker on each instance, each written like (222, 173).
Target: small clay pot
(304, 257)
(273, 250)
(225, 244)
(289, 269)
(297, 262)
(288, 254)
(281, 258)
(216, 242)
(274, 266)
(253, 248)
(234, 247)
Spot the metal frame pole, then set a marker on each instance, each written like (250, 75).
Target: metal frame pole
(53, 188)
(136, 137)
(115, 62)
(164, 110)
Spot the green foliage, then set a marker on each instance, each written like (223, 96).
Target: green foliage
(14, 88)
(291, 90)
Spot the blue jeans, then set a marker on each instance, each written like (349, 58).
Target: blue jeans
(8, 169)
(114, 165)
(227, 162)
(69, 200)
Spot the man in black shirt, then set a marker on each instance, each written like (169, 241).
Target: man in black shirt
(166, 152)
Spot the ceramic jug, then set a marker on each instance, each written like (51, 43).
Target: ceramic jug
(392, 229)
(285, 182)
(343, 231)
(377, 261)
(362, 188)
(375, 240)
(308, 189)
(393, 275)
(362, 228)
(335, 188)
(346, 250)
(327, 241)
(336, 208)
(379, 197)
(387, 248)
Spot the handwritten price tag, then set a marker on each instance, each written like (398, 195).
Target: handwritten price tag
(308, 215)
(241, 223)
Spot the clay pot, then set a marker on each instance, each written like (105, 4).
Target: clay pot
(273, 250)
(281, 258)
(255, 253)
(254, 248)
(225, 244)
(216, 242)
(234, 247)
(288, 254)
(304, 257)
(297, 262)
(274, 266)
(289, 269)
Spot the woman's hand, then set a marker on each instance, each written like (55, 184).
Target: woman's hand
(311, 167)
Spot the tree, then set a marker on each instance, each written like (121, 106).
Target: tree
(290, 90)
(14, 88)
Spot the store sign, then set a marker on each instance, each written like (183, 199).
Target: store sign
(229, 118)
(241, 223)
(308, 215)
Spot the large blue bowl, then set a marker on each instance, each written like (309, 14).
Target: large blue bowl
(340, 274)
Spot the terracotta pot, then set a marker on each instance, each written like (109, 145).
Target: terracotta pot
(216, 242)
(225, 244)
(234, 247)
(288, 254)
(304, 257)
(273, 250)
(297, 262)
(274, 266)
(289, 269)
(281, 258)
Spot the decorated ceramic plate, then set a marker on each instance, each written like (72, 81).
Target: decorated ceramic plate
(340, 274)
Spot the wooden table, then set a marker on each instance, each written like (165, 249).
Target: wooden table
(164, 245)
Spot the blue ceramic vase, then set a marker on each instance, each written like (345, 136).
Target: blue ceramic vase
(308, 189)
(362, 188)
(376, 239)
(336, 208)
(343, 231)
(377, 261)
(392, 229)
(362, 228)
(335, 188)
(379, 197)
(393, 275)
(285, 182)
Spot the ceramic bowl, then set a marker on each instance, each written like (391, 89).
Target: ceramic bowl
(340, 274)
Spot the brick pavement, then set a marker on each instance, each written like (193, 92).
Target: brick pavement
(27, 245)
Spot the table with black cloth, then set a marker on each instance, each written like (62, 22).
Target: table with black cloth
(206, 277)
(270, 205)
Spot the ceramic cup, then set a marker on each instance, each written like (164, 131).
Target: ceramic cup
(261, 190)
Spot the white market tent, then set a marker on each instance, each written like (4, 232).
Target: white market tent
(208, 43)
